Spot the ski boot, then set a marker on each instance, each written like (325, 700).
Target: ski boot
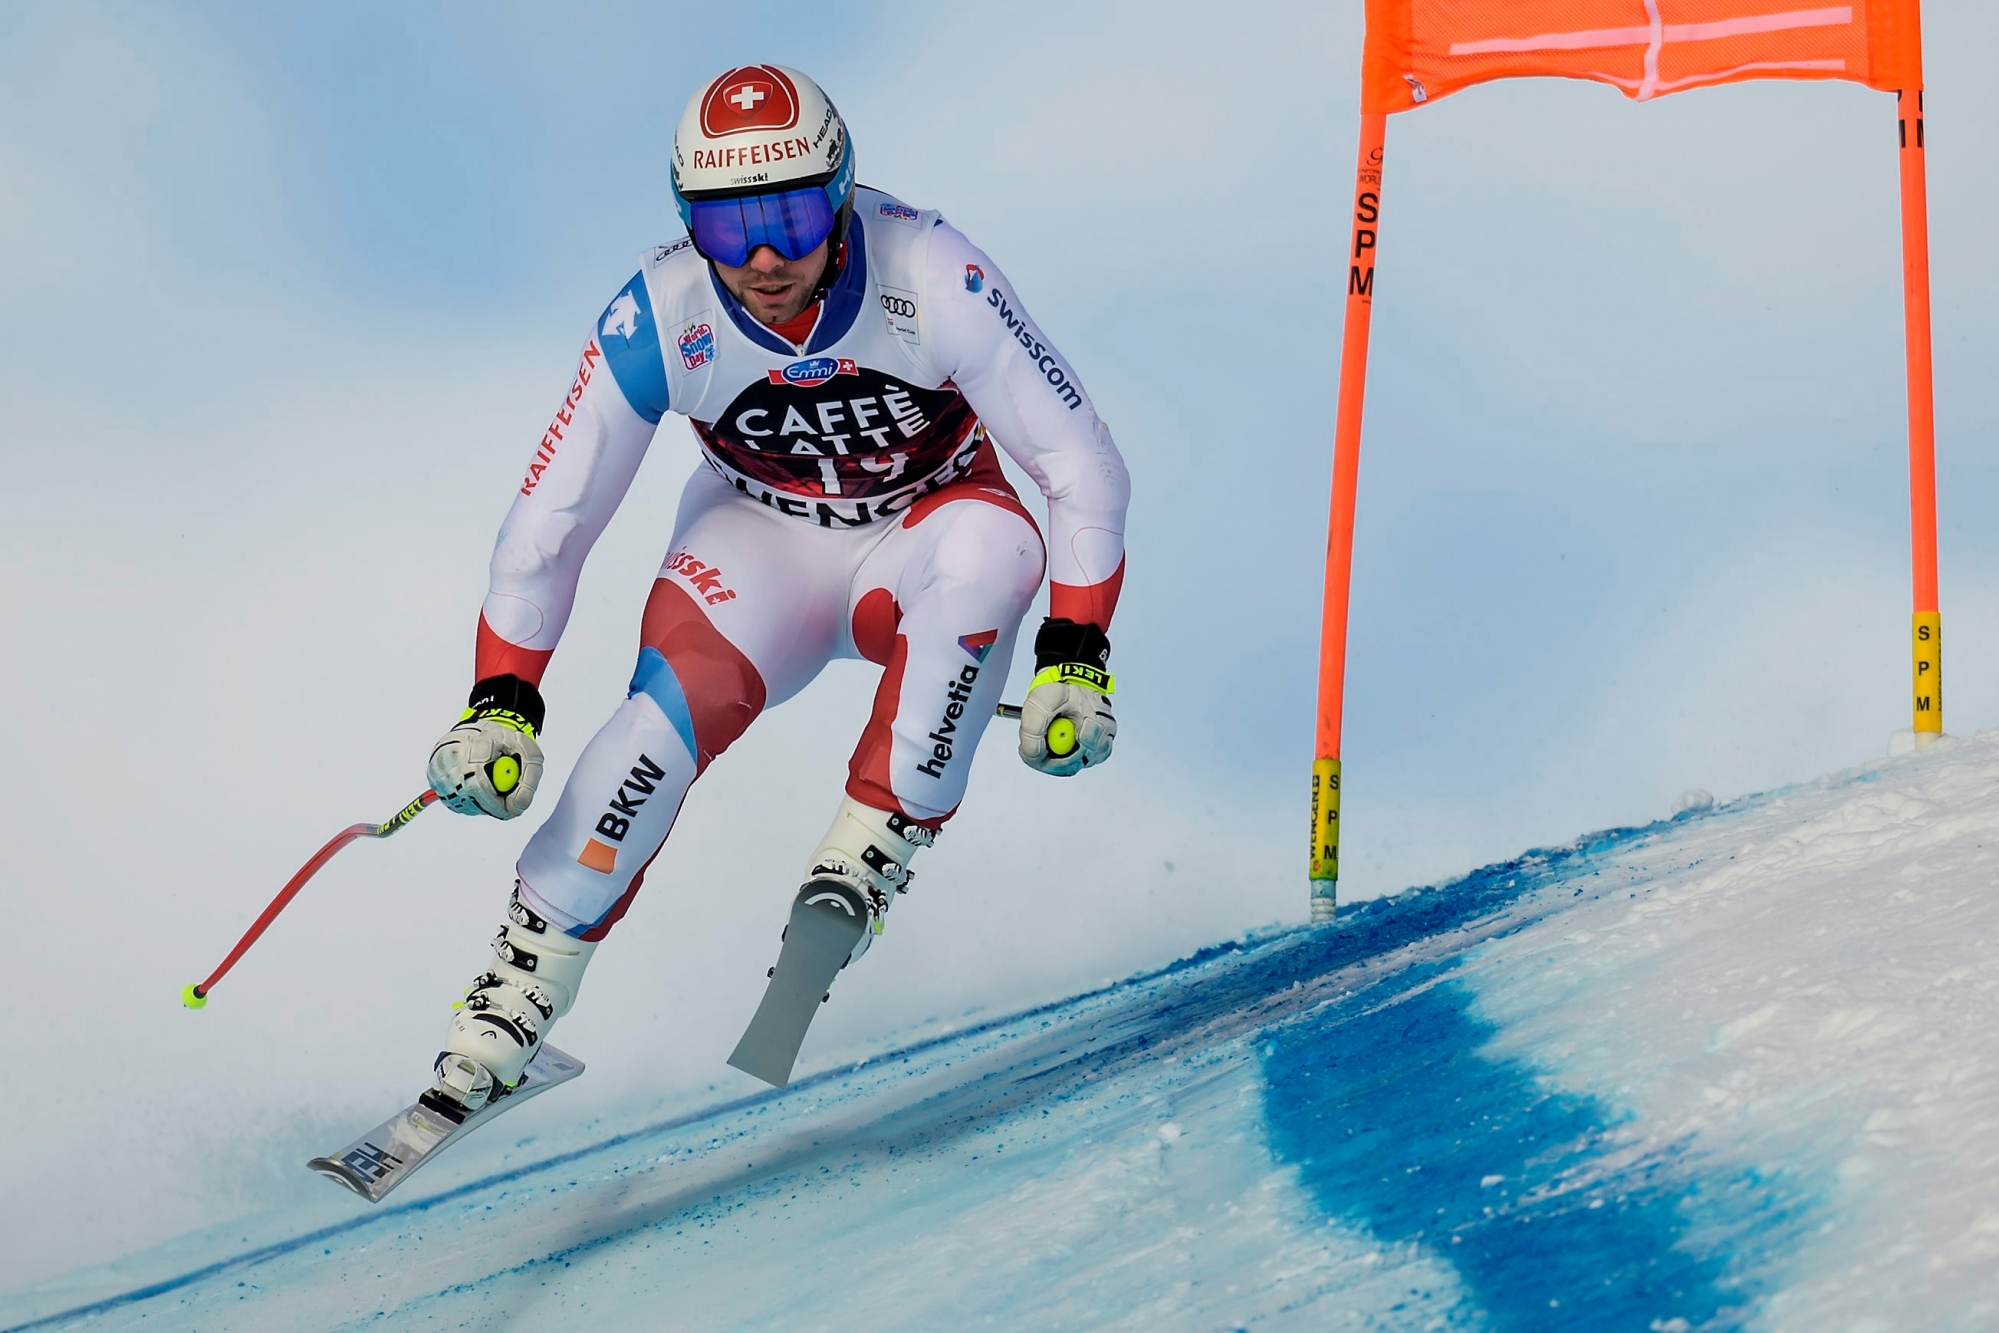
(861, 865)
(509, 1009)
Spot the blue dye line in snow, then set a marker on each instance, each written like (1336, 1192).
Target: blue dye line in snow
(1366, 931)
(1400, 1125)
(392, 1212)
(1309, 1089)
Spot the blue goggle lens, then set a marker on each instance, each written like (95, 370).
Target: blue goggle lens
(793, 222)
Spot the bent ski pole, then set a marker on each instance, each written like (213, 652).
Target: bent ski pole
(1061, 740)
(1061, 732)
(196, 995)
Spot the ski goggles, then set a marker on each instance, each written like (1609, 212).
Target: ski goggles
(792, 222)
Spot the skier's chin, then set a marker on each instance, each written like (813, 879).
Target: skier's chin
(778, 306)
(775, 290)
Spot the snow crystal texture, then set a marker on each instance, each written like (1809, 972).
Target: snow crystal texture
(1731, 1070)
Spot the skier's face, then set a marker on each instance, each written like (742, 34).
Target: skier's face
(772, 288)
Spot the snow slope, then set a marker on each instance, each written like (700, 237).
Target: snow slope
(1733, 1070)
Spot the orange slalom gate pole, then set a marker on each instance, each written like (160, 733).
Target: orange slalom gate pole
(1926, 625)
(1325, 857)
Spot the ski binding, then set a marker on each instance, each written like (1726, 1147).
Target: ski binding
(390, 1153)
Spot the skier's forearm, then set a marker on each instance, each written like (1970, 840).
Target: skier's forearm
(493, 656)
(579, 474)
(1088, 491)
(1087, 497)
(1029, 397)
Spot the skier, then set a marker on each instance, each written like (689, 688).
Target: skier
(848, 362)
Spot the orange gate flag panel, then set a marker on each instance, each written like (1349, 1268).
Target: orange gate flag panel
(1420, 50)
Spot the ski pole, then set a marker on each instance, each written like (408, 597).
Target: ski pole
(1061, 732)
(1061, 740)
(196, 994)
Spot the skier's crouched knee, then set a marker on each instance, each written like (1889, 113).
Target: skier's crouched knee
(692, 671)
(992, 548)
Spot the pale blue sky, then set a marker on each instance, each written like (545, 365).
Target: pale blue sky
(288, 295)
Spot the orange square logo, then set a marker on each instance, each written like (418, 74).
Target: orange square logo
(599, 856)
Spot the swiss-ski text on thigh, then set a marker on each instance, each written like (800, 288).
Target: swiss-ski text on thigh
(704, 578)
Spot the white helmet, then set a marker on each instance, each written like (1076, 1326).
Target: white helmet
(761, 157)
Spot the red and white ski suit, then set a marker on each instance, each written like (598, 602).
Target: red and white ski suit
(849, 505)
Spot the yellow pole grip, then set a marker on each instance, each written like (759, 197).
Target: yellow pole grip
(1926, 641)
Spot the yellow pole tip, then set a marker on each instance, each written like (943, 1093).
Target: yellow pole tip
(1061, 737)
(192, 996)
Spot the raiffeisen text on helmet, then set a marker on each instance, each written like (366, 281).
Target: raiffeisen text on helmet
(758, 126)
(751, 155)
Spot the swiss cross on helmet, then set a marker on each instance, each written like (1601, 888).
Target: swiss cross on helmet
(761, 157)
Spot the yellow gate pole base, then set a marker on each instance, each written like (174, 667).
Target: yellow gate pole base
(1324, 871)
(1926, 675)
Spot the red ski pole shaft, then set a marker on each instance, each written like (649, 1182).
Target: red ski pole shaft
(196, 995)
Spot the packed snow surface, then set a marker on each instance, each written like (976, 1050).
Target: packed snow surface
(1735, 1069)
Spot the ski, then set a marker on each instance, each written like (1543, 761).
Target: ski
(390, 1153)
(826, 924)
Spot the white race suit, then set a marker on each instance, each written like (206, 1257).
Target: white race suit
(849, 505)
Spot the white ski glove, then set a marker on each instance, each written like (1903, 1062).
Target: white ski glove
(1070, 686)
(490, 762)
